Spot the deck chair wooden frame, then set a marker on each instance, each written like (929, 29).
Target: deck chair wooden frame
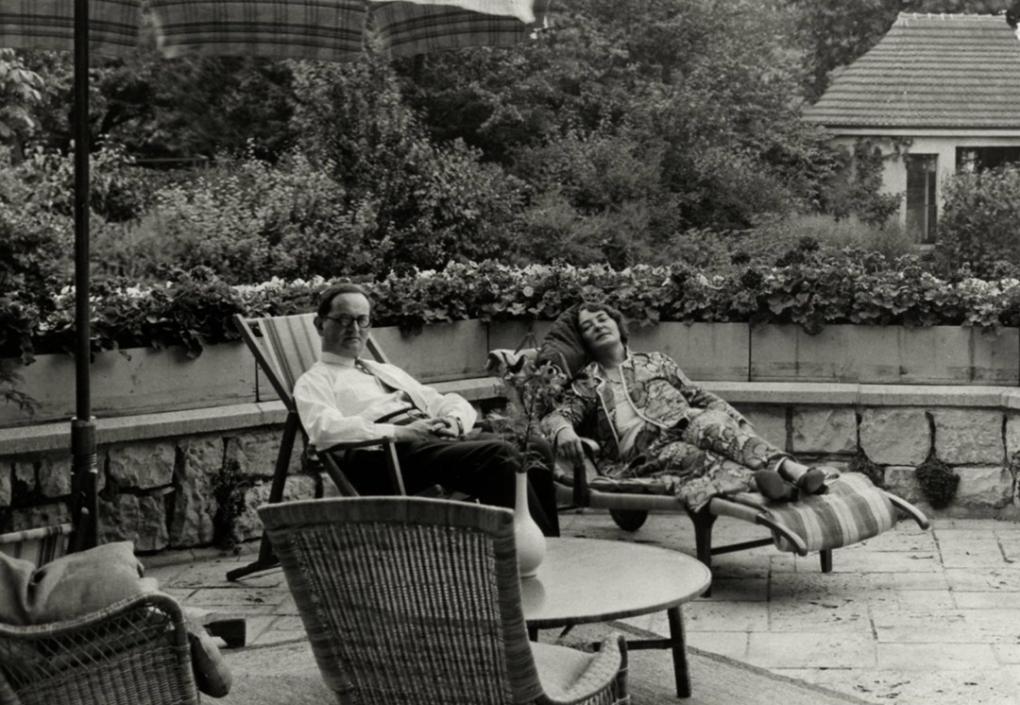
(284, 348)
(630, 510)
(40, 545)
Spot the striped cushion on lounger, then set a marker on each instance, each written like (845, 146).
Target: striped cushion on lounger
(852, 510)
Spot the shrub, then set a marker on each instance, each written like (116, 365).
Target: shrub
(938, 482)
(889, 240)
(429, 202)
(979, 221)
(44, 182)
(250, 221)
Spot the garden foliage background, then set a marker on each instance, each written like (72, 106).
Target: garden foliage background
(649, 150)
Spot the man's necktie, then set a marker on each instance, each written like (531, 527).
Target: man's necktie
(390, 381)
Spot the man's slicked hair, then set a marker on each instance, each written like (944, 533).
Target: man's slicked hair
(327, 296)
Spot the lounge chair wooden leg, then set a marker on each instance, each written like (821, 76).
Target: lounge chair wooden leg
(826, 560)
(703, 522)
(267, 559)
(679, 648)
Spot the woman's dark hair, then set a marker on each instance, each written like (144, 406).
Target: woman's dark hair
(327, 296)
(596, 307)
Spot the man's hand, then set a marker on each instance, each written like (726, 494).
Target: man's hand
(428, 430)
(447, 427)
(420, 430)
(569, 446)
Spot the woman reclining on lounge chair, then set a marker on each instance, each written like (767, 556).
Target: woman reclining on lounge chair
(659, 433)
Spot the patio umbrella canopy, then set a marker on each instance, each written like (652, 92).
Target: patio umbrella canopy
(300, 29)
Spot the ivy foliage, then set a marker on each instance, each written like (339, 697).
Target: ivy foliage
(811, 289)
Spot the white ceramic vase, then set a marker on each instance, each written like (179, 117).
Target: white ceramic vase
(528, 538)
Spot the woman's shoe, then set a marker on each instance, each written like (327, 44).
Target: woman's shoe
(812, 481)
(772, 486)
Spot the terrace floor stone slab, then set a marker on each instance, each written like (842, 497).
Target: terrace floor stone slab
(986, 687)
(908, 617)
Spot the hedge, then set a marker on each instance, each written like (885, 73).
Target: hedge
(195, 308)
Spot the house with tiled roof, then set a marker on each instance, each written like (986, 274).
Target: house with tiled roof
(939, 93)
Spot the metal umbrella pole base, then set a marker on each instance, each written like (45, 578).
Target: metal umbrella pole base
(84, 500)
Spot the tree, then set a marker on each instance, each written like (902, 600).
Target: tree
(20, 93)
(979, 222)
(172, 108)
(702, 95)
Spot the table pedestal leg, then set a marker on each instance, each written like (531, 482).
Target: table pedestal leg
(679, 648)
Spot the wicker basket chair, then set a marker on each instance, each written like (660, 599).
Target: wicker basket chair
(418, 601)
(132, 652)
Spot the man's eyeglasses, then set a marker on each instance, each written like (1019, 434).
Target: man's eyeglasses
(345, 321)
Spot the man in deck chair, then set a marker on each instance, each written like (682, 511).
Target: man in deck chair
(344, 398)
(660, 434)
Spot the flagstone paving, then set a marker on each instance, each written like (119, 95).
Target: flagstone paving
(909, 617)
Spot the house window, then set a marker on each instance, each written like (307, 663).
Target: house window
(974, 159)
(922, 210)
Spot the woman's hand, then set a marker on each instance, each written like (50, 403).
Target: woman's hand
(569, 446)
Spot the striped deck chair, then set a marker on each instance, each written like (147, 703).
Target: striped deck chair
(284, 347)
(40, 545)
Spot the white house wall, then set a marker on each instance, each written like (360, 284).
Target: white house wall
(894, 172)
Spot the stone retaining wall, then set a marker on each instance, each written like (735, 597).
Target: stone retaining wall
(979, 445)
(165, 493)
(179, 485)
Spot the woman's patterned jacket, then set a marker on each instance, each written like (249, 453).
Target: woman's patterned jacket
(661, 393)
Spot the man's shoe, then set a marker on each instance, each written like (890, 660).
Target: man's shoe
(772, 486)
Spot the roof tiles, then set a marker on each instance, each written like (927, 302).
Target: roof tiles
(960, 71)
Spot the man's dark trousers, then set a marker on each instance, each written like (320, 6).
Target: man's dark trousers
(484, 467)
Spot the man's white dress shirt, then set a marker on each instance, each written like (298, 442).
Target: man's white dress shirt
(338, 402)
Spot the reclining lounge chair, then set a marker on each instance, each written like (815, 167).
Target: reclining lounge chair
(851, 511)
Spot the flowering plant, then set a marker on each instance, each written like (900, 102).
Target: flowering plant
(532, 390)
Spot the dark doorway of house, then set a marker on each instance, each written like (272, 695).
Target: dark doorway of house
(922, 211)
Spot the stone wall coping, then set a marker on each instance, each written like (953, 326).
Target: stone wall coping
(973, 396)
(56, 435)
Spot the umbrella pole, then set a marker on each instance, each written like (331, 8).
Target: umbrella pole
(84, 503)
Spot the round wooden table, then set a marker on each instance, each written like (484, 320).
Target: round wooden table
(582, 581)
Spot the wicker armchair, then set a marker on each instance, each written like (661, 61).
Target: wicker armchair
(418, 601)
(134, 651)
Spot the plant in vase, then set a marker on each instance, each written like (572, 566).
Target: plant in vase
(531, 391)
